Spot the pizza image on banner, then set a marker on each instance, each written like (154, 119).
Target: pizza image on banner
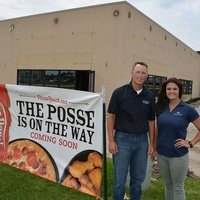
(54, 133)
(32, 157)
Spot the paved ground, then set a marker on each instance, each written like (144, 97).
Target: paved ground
(194, 153)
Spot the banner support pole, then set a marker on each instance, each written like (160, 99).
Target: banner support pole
(104, 148)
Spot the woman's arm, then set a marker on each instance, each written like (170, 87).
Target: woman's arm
(151, 136)
(185, 143)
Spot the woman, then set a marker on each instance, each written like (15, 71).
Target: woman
(173, 118)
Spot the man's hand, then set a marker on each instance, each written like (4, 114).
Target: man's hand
(112, 147)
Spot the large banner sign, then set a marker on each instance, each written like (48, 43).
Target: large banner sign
(54, 133)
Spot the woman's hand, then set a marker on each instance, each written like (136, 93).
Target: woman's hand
(182, 143)
(153, 156)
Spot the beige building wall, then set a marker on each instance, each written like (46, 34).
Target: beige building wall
(92, 38)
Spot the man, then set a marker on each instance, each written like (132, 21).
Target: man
(131, 119)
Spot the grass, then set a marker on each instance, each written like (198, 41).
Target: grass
(19, 185)
(156, 190)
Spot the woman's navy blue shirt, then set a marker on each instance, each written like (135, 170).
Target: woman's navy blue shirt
(173, 125)
(132, 110)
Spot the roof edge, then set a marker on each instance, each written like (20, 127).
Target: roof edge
(70, 9)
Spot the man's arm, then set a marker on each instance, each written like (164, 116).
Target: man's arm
(112, 147)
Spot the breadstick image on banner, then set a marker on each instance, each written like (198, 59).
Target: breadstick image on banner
(84, 173)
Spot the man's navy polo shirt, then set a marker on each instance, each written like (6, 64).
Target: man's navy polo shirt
(173, 125)
(132, 110)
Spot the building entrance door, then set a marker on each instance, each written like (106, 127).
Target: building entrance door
(85, 80)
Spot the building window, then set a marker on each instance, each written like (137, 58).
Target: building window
(187, 86)
(51, 78)
(67, 79)
(70, 79)
(24, 77)
(154, 83)
(37, 77)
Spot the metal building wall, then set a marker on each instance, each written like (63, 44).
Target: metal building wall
(105, 38)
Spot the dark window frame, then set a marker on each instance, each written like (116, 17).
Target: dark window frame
(154, 83)
(55, 78)
(187, 86)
